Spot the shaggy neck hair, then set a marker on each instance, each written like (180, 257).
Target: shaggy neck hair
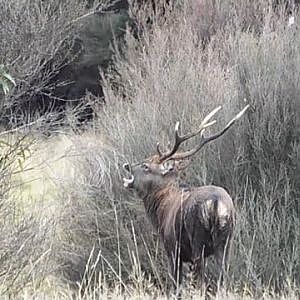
(163, 204)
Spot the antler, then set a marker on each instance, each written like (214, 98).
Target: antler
(180, 139)
(204, 140)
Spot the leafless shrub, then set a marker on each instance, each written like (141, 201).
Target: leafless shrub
(169, 76)
(100, 232)
(37, 43)
(24, 236)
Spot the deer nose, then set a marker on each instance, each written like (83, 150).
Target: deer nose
(126, 167)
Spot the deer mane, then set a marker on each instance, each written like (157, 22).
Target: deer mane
(166, 204)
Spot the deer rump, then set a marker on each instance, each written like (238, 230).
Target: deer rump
(194, 224)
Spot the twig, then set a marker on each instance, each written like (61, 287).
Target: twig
(100, 9)
(19, 128)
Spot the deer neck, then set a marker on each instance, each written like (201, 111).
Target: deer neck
(161, 204)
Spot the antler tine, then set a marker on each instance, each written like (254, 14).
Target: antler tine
(158, 149)
(211, 138)
(209, 116)
(180, 139)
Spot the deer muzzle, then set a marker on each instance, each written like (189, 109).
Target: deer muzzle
(128, 182)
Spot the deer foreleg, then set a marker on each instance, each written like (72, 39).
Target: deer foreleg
(175, 263)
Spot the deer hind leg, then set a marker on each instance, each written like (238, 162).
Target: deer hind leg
(199, 269)
(222, 256)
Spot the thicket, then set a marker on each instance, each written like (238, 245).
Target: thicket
(54, 51)
(185, 62)
(250, 55)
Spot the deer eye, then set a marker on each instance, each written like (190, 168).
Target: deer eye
(145, 167)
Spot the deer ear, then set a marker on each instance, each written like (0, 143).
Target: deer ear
(167, 167)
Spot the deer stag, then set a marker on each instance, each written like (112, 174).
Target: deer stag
(195, 222)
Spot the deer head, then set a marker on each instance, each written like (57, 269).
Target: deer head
(162, 168)
(149, 175)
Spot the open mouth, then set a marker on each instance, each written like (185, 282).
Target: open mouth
(128, 182)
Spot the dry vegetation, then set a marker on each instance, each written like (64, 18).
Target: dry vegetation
(83, 235)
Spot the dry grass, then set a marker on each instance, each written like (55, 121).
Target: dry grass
(102, 243)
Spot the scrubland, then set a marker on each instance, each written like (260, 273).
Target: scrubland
(69, 230)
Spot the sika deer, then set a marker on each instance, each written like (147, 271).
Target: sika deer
(195, 222)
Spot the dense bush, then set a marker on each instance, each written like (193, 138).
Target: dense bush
(168, 76)
(185, 62)
(36, 44)
(54, 52)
